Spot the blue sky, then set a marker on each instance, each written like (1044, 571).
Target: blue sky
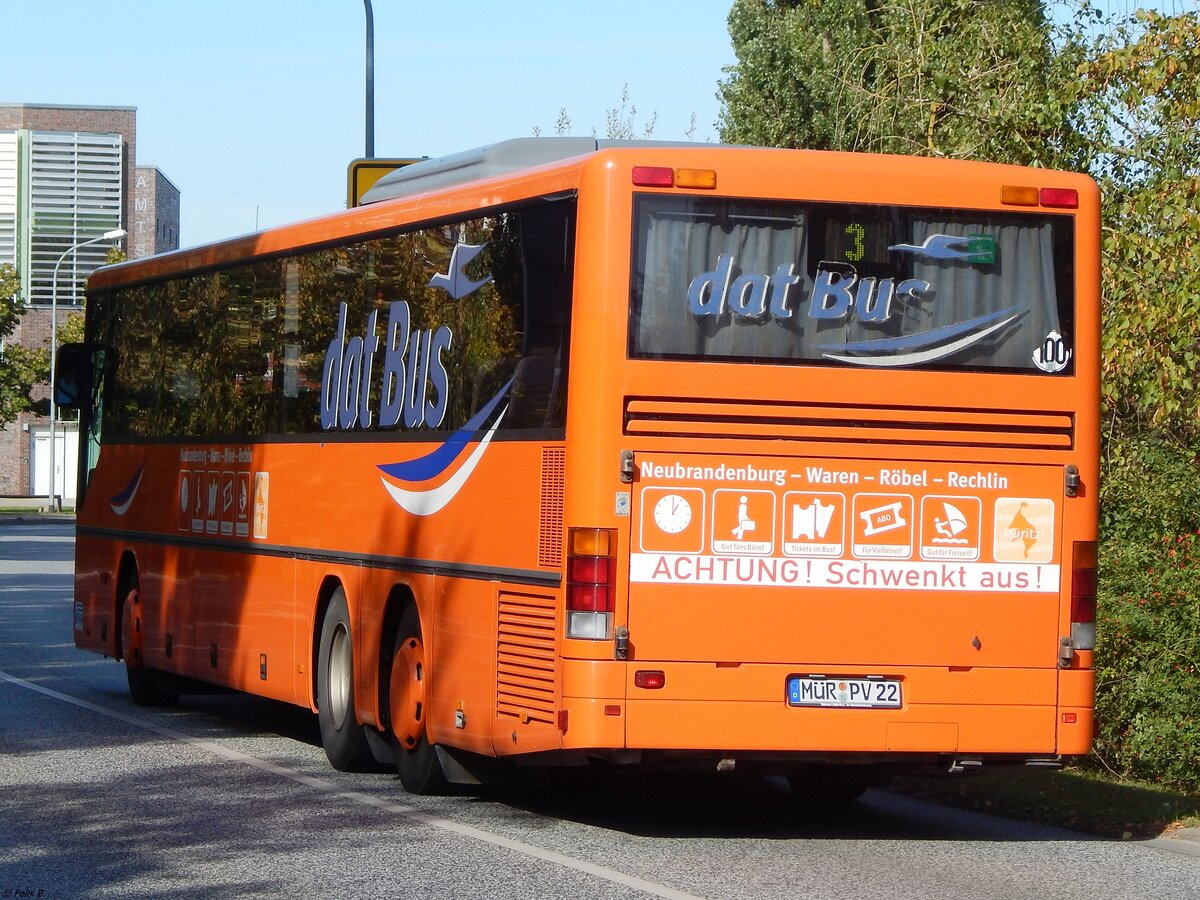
(254, 108)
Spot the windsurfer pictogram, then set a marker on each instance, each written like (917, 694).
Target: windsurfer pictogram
(954, 524)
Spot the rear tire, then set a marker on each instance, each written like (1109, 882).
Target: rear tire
(417, 761)
(833, 784)
(343, 738)
(144, 688)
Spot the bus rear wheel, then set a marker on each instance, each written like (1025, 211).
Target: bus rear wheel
(417, 763)
(342, 736)
(832, 784)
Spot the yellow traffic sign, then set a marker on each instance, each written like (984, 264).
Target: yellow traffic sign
(362, 174)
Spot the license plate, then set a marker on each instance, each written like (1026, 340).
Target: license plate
(846, 693)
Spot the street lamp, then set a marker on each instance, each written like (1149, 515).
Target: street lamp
(115, 235)
(370, 115)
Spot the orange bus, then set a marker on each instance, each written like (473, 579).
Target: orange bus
(563, 451)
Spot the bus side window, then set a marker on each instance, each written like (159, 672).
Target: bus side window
(547, 249)
(70, 375)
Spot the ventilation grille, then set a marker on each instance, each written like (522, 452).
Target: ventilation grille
(526, 654)
(550, 524)
(891, 425)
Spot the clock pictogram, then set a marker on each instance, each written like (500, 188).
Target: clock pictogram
(672, 513)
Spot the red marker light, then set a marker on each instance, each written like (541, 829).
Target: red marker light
(1061, 198)
(653, 176)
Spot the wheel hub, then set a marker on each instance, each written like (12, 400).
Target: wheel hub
(407, 693)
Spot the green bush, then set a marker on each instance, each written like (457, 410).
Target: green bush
(1148, 649)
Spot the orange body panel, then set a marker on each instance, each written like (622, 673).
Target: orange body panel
(970, 634)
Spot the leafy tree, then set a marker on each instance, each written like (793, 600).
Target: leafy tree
(1138, 96)
(20, 367)
(1115, 96)
(71, 331)
(956, 78)
(1137, 90)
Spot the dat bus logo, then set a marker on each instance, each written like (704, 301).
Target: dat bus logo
(412, 363)
(414, 384)
(837, 291)
(834, 293)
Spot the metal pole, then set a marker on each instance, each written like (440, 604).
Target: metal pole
(370, 116)
(53, 347)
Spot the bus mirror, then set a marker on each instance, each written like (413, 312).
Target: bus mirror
(70, 375)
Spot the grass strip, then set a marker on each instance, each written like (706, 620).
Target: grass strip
(1068, 798)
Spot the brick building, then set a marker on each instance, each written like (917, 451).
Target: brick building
(68, 174)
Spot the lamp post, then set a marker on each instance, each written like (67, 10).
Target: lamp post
(370, 115)
(115, 235)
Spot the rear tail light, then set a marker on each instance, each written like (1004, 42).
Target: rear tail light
(591, 582)
(1083, 595)
(650, 679)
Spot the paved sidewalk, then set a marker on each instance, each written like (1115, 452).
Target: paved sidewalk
(34, 518)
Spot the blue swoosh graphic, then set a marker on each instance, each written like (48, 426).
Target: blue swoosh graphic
(426, 503)
(433, 464)
(897, 360)
(924, 338)
(121, 502)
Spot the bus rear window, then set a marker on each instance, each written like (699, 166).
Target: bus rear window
(851, 285)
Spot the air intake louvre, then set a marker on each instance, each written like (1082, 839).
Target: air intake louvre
(550, 522)
(911, 425)
(526, 658)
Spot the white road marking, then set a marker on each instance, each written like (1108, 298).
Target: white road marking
(328, 787)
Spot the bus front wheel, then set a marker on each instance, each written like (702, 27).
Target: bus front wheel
(417, 763)
(342, 736)
(144, 689)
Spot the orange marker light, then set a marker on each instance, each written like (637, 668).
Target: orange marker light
(705, 179)
(1015, 195)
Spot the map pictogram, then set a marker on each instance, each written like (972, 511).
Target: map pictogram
(1024, 530)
